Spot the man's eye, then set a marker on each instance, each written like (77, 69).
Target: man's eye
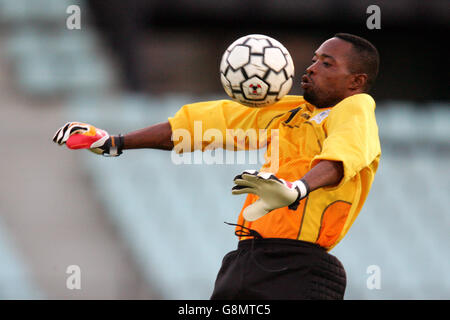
(326, 64)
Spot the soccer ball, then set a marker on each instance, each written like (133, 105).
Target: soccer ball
(256, 71)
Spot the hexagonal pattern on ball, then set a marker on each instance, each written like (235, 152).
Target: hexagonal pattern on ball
(257, 45)
(256, 67)
(226, 85)
(239, 57)
(235, 78)
(224, 62)
(255, 89)
(275, 80)
(274, 58)
(285, 87)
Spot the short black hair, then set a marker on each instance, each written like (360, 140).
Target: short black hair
(369, 59)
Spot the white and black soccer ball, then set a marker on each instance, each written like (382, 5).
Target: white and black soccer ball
(256, 71)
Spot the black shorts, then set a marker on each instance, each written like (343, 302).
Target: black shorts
(279, 269)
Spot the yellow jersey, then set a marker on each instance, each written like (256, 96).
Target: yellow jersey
(346, 132)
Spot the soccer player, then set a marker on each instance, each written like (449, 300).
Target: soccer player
(328, 153)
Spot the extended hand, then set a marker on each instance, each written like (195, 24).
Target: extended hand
(77, 135)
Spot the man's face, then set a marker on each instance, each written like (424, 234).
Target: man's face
(327, 79)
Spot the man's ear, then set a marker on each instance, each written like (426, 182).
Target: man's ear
(358, 82)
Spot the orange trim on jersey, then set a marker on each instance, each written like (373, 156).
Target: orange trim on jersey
(332, 221)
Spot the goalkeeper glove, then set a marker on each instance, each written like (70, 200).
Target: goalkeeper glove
(77, 135)
(273, 192)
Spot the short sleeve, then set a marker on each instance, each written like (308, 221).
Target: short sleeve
(352, 136)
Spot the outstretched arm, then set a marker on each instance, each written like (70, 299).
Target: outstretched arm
(157, 136)
(77, 135)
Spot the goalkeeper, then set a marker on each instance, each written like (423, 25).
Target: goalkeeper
(329, 152)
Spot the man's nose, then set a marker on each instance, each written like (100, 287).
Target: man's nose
(311, 69)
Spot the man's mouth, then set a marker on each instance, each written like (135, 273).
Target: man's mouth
(306, 82)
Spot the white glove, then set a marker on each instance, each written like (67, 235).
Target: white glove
(273, 192)
(77, 135)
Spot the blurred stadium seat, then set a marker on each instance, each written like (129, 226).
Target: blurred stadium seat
(171, 216)
(47, 58)
(20, 12)
(15, 281)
